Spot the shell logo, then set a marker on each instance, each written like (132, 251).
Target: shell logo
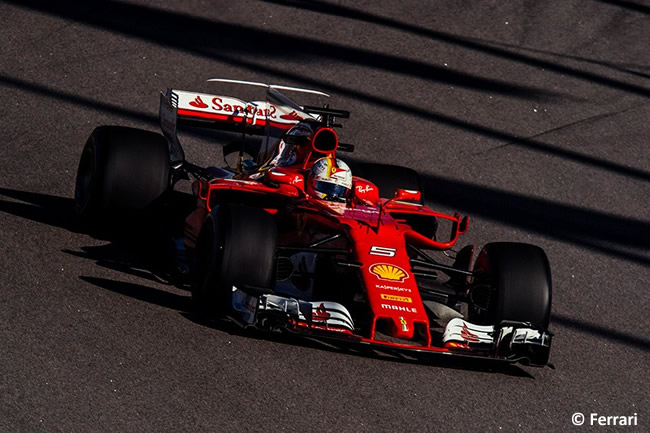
(387, 272)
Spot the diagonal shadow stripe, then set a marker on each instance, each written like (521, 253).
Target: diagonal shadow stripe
(82, 101)
(636, 7)
(602, 332)
(190, 34)
(531, 144)
(142, 293)
(469, 43)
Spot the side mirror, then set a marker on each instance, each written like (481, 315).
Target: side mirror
(407, 195)
(277, 176)
(464, 225)
(460, 225)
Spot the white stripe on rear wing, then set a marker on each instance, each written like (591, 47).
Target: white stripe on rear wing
(227, 112)
(272, 86)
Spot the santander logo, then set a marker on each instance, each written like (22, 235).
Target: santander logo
(468, 335)
(198, 103)
(291, 116)
(320, 314)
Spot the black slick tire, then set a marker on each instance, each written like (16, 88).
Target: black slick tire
(236, 247)
(121, 169)
(514, 282)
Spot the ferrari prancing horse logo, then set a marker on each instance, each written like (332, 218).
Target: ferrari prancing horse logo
(387, 272)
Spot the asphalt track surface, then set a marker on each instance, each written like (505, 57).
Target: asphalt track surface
(531, 117)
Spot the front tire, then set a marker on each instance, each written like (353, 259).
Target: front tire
(236, 247)
(512, 282)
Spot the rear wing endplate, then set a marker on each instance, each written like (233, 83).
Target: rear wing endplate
(168, 119)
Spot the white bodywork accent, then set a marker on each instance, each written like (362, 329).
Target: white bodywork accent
(460, 331)
(259, 112)
(245, 304)
(325, 314)
(271, 86)
(522, 336)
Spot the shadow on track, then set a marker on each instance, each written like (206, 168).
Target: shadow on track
(82, 101)
(416, 111)
(228, 42)
(212, 39)
(346, 12)
(612, 235)
(42, 208)
(135, 247)
(632, 6)
(601, 332)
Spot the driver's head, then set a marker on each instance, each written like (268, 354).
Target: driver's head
(330, 179)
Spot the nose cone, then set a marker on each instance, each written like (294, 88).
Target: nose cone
(400, 325)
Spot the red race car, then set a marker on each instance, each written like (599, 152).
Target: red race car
(292, 238)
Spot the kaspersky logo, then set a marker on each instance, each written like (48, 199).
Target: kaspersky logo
(387, 272)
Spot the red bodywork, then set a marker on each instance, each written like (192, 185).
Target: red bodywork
(361, 251)
(376, 241)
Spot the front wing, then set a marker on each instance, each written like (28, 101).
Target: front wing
(509, 342)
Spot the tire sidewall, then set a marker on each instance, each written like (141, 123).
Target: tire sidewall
(236, 247)
(120, 170)
(519, 278)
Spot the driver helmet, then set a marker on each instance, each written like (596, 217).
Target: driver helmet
(330, 179)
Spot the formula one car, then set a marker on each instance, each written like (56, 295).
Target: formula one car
(292, 239)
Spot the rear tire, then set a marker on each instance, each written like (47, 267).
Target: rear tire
(389, 178)
(121, 169)
(236, 247)
(513, 282)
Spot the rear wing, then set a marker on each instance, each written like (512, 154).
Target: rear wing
(228, 113)
(269, 118)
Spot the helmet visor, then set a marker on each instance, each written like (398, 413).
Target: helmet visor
(331, 190)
